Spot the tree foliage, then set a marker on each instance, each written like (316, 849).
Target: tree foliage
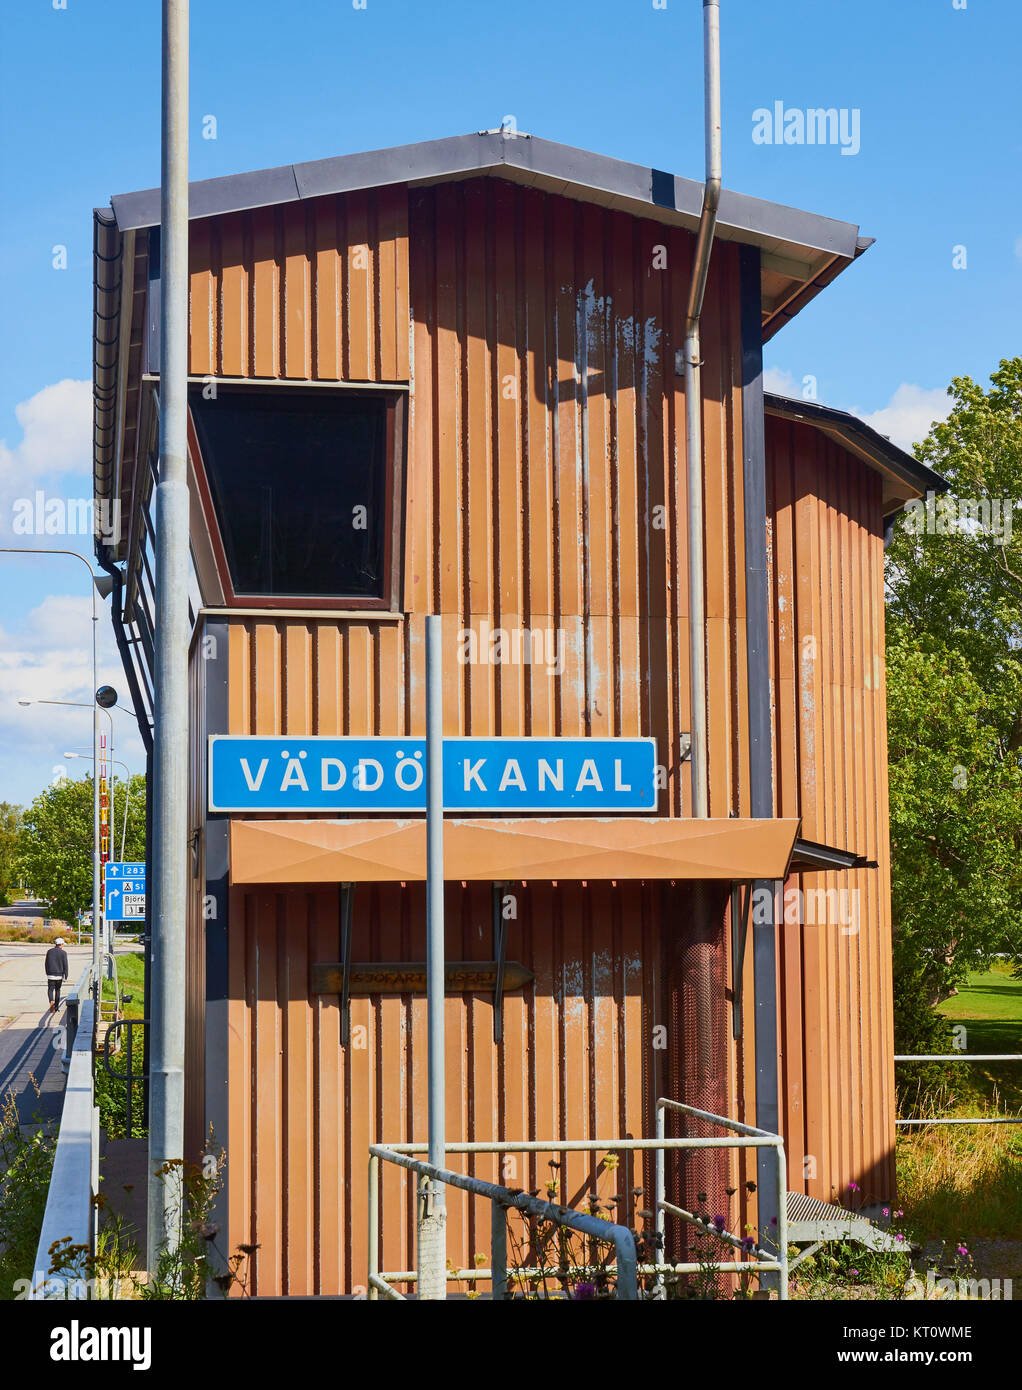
(55, 840)
(9, 819)
(954, 625)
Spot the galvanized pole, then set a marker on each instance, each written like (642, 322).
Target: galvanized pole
(97, 957)
(432, 1228)
(170, 828)
(694, 409)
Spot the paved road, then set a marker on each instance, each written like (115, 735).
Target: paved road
(31, 1043)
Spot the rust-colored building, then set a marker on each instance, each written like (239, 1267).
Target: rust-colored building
(495, 321)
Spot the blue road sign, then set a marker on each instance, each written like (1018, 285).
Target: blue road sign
(125, 892)
(388, 774)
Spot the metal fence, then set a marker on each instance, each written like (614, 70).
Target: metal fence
(962, 1057)
(628, 1267)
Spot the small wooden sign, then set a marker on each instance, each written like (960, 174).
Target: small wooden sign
(409, 977)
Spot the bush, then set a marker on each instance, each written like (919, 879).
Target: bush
(919, 1028)
(26, 1162)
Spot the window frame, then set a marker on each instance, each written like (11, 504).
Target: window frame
(395, 438)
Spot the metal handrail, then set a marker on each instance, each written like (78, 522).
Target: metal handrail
(382, 1282)
(748, 1137)
(502, 1199)
(961, 1057)
(129, 1076)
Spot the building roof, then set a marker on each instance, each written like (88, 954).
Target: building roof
(904, 476)
(802, 251)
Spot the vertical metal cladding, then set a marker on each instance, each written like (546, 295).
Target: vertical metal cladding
(301, 1128)
(830, 768)
(314, 290)
(545, 488)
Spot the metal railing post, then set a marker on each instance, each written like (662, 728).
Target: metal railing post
(782, 1221)
(431, 1242)
(374, 1226)
(660, 1195)
(498, 1251)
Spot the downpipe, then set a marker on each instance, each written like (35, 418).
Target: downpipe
(693, 409)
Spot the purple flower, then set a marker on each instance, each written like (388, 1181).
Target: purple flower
(773, 1220)
(887, 1211)
(584, 1291)
(899, 1236)
(963, 1250)
(720, 1222)
(748, 1244)
(854, 1273)
(854, 1187)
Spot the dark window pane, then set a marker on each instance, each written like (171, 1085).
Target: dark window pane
(298, 484)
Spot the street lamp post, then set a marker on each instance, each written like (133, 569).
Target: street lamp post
(97, 580)
(107, 704)
(114, 762)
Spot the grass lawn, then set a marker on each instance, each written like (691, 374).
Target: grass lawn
(965, 1181)
(989, 1006)
(131, 974)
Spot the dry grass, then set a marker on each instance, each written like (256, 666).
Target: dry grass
(13, 930)
(959, 1181)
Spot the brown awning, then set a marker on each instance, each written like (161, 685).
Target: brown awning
(358, 851)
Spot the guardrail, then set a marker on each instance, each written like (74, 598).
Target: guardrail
(505, 1199)
(70, 1210)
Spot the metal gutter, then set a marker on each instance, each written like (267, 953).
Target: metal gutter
(807, 855)
(107, 246)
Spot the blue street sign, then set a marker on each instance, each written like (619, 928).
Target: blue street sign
(125, 892)
(388, 774)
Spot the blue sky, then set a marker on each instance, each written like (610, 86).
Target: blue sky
(936, 86)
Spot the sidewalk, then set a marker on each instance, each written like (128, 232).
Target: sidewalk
(32, 1041)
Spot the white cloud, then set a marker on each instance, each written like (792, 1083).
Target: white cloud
(56, 425)
(910, 413)
(48, 656)
(780, 382)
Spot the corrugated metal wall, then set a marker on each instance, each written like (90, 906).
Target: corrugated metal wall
(831, 768)
(308, 290)
(547, 469)
(577, 1058)
(545, 488)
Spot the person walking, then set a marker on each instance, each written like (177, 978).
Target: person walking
(56, 972)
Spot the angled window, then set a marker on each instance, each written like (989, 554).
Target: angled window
(301, 487)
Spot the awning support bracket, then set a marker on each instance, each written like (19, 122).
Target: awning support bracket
(346, 892)
(740, 905)
(499, 955)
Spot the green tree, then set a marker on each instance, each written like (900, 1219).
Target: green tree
(55, 838)
(956, 818)
(9, 818)
(954, 652)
